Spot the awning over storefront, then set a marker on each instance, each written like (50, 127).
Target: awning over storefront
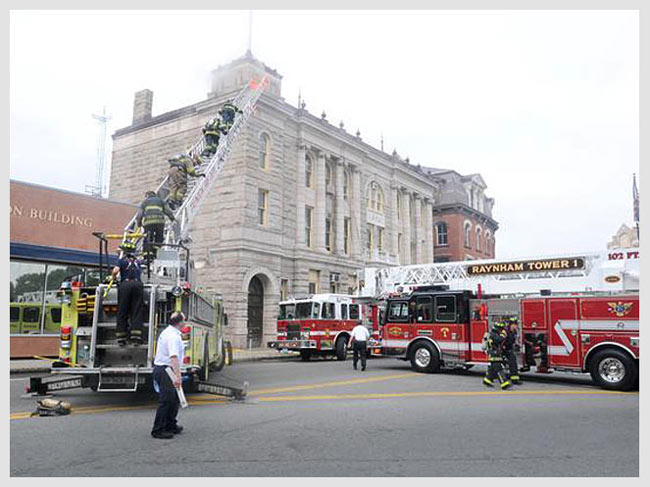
(19, 250)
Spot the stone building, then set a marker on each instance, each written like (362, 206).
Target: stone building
(301, 207)
(625, 237)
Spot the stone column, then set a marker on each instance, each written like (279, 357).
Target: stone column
(320, 212)
(417, 201)
(395, 230)
(428, 231)
(339, 245)
(355, 209)
(300, 196)
(406, 226)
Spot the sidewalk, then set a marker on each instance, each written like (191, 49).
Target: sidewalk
(23, 366)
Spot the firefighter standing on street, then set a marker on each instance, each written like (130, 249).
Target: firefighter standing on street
(495, 342)
(152, 218)
(509, 350)
(130, 293)
(530, 342)
(359, 342)
(180, 168)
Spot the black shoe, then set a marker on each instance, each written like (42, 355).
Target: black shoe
(363, 367)
(135, 340)
(354, 366)
(163, 435)
(121, 342)
(177, 430)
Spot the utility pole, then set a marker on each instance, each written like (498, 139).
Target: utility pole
(98, 189)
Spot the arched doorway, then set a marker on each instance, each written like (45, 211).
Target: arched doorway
(255, 312)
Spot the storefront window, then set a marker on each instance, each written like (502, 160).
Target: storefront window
(34, 306)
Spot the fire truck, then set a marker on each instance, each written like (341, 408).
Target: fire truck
(593, 329)
(321, 324)
(89, 355)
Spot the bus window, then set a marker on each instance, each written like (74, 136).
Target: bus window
(424, 309)
(14, 313)
(344, 311)
(354, 311)
(398, 311)
(446, 309)
(31, 319)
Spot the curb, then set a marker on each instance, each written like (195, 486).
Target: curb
(46, 368)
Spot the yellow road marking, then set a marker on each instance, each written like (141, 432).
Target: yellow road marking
(437, 393)
(331, 384)
(195, 402)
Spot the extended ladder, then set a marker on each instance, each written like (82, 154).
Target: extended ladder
(198, 188)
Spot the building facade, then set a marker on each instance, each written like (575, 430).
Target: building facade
(301, 207)
(626, 237)
(462, 218)
(50, 240)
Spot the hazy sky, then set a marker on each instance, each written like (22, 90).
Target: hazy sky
(544, 105)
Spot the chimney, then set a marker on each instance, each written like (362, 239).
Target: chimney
(142, 106)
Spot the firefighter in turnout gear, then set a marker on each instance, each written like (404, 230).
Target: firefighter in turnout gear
(510, 347)
(228, 113)
(530, 343)
(152, 218)
(130, 294)
(495, 342)
(212, 131)
(180, 168)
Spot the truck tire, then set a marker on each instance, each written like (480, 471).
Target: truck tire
(613, 369)
(424, 357)
(341, 349)
(305, 355)
(217, 366)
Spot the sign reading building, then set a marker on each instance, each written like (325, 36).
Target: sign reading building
(539, 265)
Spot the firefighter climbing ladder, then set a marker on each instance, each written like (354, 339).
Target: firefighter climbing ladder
(583, 272)
(198, 188)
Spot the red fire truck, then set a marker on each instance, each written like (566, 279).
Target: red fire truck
(594, 330)
(321, 324)
(435, 328)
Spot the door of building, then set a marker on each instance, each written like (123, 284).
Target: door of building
(255, 313)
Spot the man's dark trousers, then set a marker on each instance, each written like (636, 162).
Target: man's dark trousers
(359, 348)
(130, 295)
(168, 402)
(155, 236)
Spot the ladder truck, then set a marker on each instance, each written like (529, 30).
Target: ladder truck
(89, 355)
(576, 313)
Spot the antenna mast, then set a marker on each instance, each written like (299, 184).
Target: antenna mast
(98, 189)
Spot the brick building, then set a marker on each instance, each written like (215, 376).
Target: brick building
(302, 205)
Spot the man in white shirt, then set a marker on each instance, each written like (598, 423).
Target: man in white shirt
(169, 353)
(359, 342)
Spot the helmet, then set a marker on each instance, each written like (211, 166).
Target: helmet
(149, 194)
(513, 320)
(500, 324)
(128, 246)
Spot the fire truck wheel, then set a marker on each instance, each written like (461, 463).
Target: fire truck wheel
(424, 358)
(305, 355)
(613, 369)
(341, 348)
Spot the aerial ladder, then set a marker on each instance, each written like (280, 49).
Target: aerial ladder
(605, 271)
(108, 367)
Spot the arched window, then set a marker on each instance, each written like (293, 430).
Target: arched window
(375, 197)
(265, 146)
(488, 242)
(478, 239)
(309, 171)
(441, 233)
(468, 234)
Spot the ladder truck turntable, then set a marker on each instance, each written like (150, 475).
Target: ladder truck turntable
(89, 355)
(585, 308)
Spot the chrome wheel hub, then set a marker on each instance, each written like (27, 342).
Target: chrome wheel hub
(611, 369)
(422, 357)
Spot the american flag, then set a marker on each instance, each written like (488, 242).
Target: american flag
(635, 197)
